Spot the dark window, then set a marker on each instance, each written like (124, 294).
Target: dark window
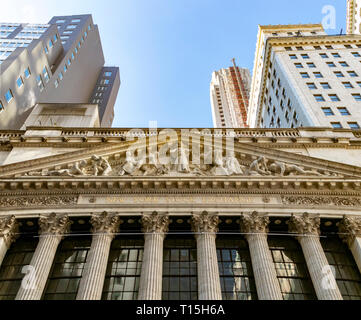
(324, 55)
(235, 268)
(354, 125)
(348, 85)
(318, 75)
(124, 268)
(180, 269)
(347, 274)
(311, 86)
(344, 111)
(325, 85)
(327, 111)
(67, 270)
(336, 55)
(293, 56)
(336, 125)
(305, 75)
(291, 268)
(17, 257)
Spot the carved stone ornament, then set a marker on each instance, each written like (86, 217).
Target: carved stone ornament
(9, 230)
(55, 225)
(205, 222)
(105, 223)
(321, 201)
(350, 229)
(254, 223)
(306, 224)
(155, 223)
(179, 164)
(38, 201)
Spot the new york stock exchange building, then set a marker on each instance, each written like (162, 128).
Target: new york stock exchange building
(257, 214)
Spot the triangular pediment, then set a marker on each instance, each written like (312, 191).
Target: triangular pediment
(245, 159)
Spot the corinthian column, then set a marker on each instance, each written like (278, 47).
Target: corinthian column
(307, 230)
(52, 230)
(104, 228)
(255, 227)
(205, 227)
(155, 228)
(350, 232)
(9, 230)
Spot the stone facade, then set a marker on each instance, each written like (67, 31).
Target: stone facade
(267, 179)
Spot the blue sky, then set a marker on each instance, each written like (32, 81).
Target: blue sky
(167, 49)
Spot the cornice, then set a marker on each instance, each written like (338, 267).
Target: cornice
(244, 185)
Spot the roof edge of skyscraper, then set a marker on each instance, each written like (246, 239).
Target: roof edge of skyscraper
(291, 26)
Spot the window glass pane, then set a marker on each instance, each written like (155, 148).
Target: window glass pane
(67, 270)
(347, 273)
(18, 256)
(291, 269)
(124, 267)
(179, 269)
(235, 269)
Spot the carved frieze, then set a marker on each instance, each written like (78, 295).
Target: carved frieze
(180, 165)
(321, 201)
(38, 201)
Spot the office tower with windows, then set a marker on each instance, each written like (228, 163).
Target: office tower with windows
(304, 77)
(230, 97)
(58, 62)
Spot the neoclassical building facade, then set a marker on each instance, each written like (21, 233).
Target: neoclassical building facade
(275, 215)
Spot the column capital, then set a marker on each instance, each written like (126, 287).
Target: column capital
(205, 222)
(306, 224)
(55, 225)
(254, 223)
(9, 229)
(350, 229)
(105, 223)
(155, 223)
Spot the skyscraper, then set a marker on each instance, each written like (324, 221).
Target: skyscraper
(304, 77)
(353, 17)
(58, 62)
(230, 97)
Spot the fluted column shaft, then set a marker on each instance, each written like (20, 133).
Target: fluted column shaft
(155, 227)
(350, 233)
(92, 281)
(355, 247)
(150, 287)
(268, 287)
(205, 227)
(256, 228)
(52, 230)
(209, 286)
(9, 229)
(307, 232)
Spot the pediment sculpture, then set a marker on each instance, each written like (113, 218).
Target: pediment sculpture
(151, 165)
